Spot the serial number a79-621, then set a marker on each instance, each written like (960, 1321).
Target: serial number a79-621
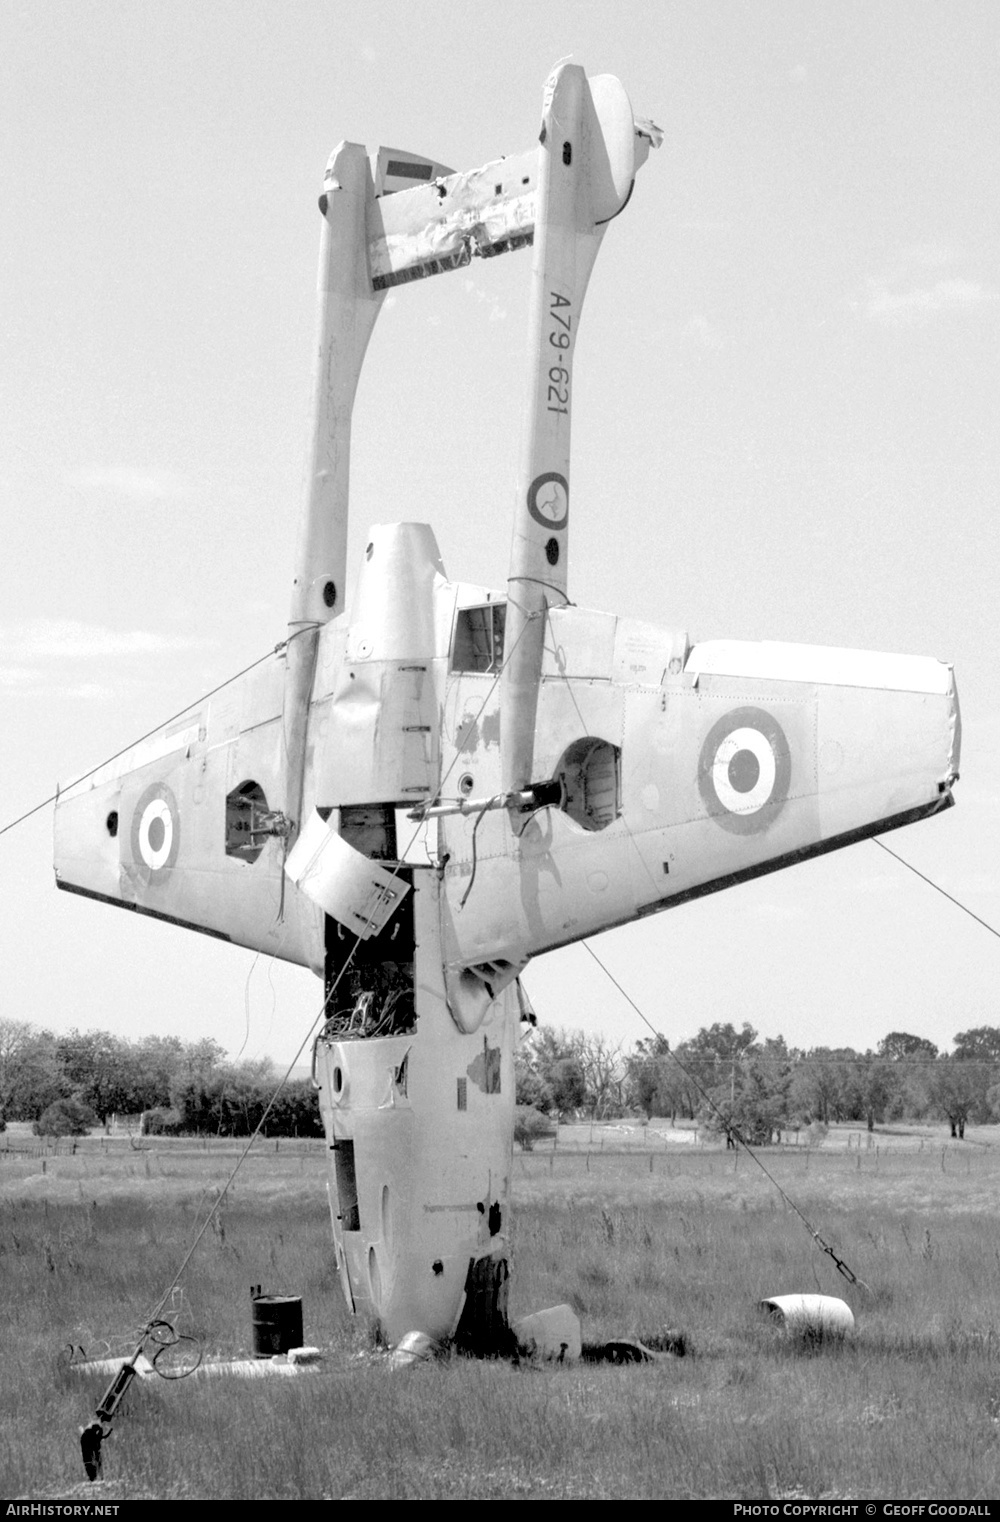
(560, 338)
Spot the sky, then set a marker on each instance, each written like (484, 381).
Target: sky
(785, 427)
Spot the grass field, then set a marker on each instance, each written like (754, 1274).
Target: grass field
(638, 1234)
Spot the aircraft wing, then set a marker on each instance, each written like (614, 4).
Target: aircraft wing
(675, 773)
(182, 827)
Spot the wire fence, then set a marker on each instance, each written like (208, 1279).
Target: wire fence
(26, 1148)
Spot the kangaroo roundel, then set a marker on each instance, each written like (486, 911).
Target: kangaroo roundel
(744, 770)
(548, 500)
(156, 832)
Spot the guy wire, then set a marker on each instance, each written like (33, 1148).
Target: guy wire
(931, 883)
(734, 1131)
(154, 1317)
(54, 797)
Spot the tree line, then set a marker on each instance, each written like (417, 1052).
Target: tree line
(723, 1079)
(731, 1082)
(70, 1083)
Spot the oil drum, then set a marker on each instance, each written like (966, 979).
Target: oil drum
(277, 1324)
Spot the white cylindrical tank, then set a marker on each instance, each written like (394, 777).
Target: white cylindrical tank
(811, 1315)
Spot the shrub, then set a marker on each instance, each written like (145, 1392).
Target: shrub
(162, 1122)
(65, 1117)
(295, 1111)
(530, 1125)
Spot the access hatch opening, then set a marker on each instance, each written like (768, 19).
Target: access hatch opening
(478, 641)
(246, 821)
(589, 777)
(347, 1185)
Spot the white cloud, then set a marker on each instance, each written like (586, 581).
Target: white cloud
(928, 256)
(922, 304)
(704, 333)
(127, 481)
(45, 639)
(497, 312)
(92, 692)
(16, 678)
(20, 681)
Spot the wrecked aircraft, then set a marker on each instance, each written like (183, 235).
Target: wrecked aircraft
(416, 796)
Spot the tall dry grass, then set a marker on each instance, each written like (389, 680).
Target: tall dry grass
(911, 1408)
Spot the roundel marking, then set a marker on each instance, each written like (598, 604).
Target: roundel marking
(548, 500)
(156, 831)
(744, 770)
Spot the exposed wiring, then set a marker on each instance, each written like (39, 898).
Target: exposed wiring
(321, 1016)
(479, 819)
(162, 1331)
(246, 1008)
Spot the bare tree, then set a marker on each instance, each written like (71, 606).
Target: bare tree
(604, 1075)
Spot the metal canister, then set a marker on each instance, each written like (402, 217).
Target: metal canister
(277, 1324)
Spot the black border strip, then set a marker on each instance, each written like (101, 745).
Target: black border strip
(669, 901)
(804, 853)
(154, 914)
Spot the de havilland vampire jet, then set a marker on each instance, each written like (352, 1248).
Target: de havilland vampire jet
(417, 795)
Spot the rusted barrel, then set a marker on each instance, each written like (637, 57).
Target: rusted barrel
(277, 1324)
